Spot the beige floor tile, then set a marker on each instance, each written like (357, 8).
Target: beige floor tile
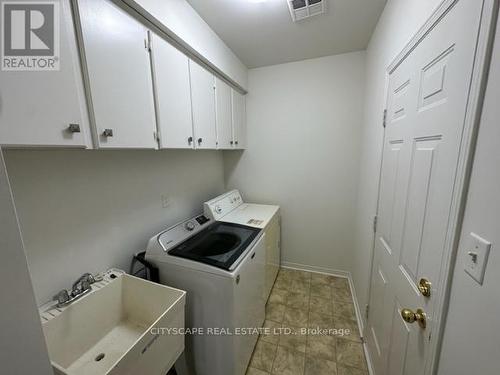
(294, 339)
(321, 346)
(341, 294)
(296, 317)
(274, 332)
(283, 284)
(321, 290)
(286, 273)
(288, 362)
(298, 301)
(302, 275)
(278, 296)
(254, 371)
(316, 366)
(320, 321)
(321, 305)
(346, 370)
(351, 354)
(284, 279)
(321, 301)
(301, 286)
(348, 324)
(263, 356)
(339, 282)
(344, 310)
(275, 312)
(319, 278)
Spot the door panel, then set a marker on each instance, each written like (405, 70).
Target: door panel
(119, 73)
(420, 182)
(173, 95)
(426, 105)
(203, 100)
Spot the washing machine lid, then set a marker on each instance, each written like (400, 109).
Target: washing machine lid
(220, 244)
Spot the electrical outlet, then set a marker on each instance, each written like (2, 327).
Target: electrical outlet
(165, 201)
(476, 255)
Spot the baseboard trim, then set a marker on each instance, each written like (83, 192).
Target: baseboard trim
(347, 275)
(368, 358)
(323, 270)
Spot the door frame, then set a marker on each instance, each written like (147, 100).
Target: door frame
(478, 83)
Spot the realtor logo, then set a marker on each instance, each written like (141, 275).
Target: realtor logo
(30, 35)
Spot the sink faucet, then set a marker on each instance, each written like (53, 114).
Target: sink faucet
(80, 287)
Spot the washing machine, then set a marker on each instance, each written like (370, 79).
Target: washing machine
(221, 266)
(231, 208)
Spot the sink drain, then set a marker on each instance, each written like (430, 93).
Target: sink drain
(99, 357)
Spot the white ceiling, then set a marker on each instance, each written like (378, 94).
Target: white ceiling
(261, 32)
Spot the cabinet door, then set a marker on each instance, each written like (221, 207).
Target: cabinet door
(37, 107)
(223, 115)
(239, 120)
(173, 95)
(203, 99)
(119, 74)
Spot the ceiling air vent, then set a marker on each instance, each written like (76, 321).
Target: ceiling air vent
(301, 9)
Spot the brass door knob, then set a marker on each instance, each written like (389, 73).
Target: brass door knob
(425, 287)
(411, 317)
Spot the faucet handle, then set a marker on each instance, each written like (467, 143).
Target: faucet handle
(62, 297)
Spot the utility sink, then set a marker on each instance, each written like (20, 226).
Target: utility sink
(121, 327)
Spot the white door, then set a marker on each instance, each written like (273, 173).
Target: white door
(239, 119)
(203, 100)
(46, 108)
(173, 95)
(223, 115)
(426, 107)
(119, 73)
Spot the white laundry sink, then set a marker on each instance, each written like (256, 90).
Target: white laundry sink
(114, 329)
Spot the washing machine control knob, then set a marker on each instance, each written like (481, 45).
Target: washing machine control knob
(189, 226)
(218, 209)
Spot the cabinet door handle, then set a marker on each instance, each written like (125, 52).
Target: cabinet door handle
(236, 142)
(200, 140)
(74, 128)
(107, 133)
(190, 140)
(231, 142)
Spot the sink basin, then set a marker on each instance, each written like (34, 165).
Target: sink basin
(117, 329)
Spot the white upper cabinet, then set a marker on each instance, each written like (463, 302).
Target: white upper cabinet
(223, 115)
(46, 108)
(239, 119)
(119, 74)
(173, 95)
(203, 104)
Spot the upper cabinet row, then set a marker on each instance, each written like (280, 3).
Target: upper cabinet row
(141, 91)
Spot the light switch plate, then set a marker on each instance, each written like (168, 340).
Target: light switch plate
(476, 257)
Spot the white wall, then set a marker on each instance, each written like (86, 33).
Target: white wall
(22, 346)
(184, 21)
(472, 336)
(304, 123)
(400, 20)
(85, 211)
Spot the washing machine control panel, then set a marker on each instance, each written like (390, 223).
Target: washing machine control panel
(181, 232)
(219, 207)
(189, 226)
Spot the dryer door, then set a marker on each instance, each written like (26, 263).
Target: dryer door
(249, 303)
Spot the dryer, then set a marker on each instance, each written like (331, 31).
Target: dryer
(231, 208)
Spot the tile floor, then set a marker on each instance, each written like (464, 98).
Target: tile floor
(305, 315)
